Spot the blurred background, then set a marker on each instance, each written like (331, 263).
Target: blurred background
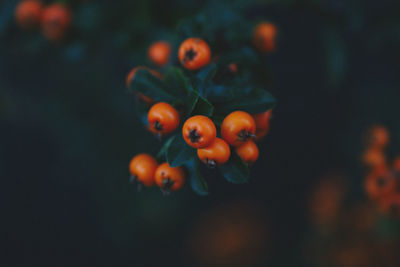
(68, 131)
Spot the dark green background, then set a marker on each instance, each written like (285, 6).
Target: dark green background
(68, 129)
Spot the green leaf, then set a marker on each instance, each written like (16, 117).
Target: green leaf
(165, 147)
(219, 93)
(201, 106)
(256, 101)
(151, 86)
(235, 170)
(179, 152)
(178, 83)
(199, 185)
(218, 119)
(208, 73)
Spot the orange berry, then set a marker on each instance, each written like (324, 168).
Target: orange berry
(233, 68)
(327, 198)
(248, 152)
(374, 159)
(390, 205)
(215, 154)
(264, 37)
(396, 163)
(194, 53)
(380, 183)
(159, 53)
(142, 168)
(262, 124)
(163, 118)
(168, 178)
(56, 20)
(377, 137)
(199, 131)
(260, 134)
(28, 13)
(262, 119)
(238, 127)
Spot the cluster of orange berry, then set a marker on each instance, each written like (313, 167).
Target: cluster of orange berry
(238, 129)
(382, 183)
(54, 20)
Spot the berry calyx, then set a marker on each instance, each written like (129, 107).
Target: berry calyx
(238, 127)
(248, 152)
(199, 131)
(215, 154)
(194, 53)
(142, 168)
(163, 118)
(169, 178)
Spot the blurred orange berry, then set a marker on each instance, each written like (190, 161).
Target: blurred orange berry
(56, 20)
(262, 119)
(231, 235)
(233, 68)
(377, 137)
(396, 163)
(379, 183)
(159, 53)
(264, 37)
(327, 198)
(260, 134)
(142, 168)
(28, 13)
(169, 178)
(374, 159)
(390, 205)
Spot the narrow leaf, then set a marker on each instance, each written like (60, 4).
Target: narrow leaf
(202, 106)
(178, 83)
(165, 147)
(151, 86)
(179, 152)
(235, 170)
(256, 101)
(199, 185)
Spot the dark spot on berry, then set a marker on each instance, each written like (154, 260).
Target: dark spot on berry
(189, 55)
(244, 135)
(194, 136)
(381, 182)
(157, 126)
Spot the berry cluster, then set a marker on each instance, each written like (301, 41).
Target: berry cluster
(215, 112)
(54, 20)
(382, 182)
